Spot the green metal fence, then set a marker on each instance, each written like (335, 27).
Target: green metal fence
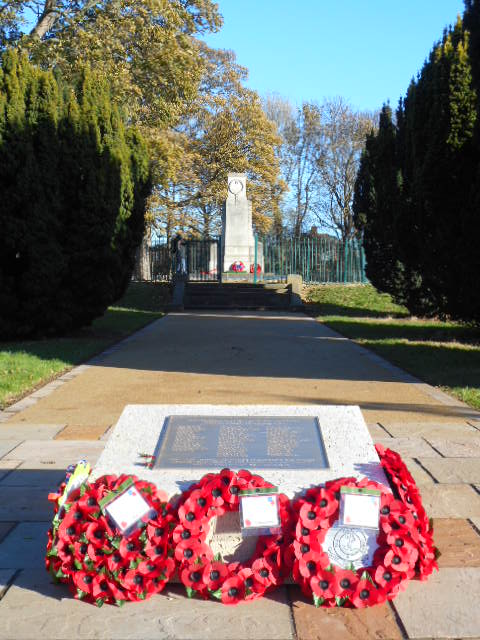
(318, 259)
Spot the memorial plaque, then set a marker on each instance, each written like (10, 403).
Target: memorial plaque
(253, 442)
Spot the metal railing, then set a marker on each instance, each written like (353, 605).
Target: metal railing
(322, 259)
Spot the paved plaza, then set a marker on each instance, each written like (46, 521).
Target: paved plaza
(238, 358)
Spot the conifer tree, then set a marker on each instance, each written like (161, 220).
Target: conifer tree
(74, 182)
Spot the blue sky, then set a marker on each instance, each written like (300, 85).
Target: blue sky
(364, 50)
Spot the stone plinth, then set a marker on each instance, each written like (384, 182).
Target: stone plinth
(348, 447)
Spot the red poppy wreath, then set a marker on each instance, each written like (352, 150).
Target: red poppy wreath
(207, 576)
(99, 565)
(405, 541)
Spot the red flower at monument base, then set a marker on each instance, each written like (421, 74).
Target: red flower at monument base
(233, 590)
(366, 594)
(323, 584)
(344, 583)
(214, 574)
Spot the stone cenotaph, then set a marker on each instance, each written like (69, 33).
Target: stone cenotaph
(238, 241)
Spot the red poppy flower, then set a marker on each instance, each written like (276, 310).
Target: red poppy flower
(64, 551)
(69, 531)
(150, 568)
(188, 551)
(192, 576)
(214, 489)
(156, 551)
(245, 475)
(88, 503)
(322, 584)
(366, 594)
(214, 574)
(386, 577)
(253, 588)
(312, 562)
(192, 516)
(344, 583)
(157, 532)
(400, 559)
(233, 590)
(129, 548)
(101, 587)
(97, 555)
(115, 562)
(84, 580)
(312, 516)
(134, 582)
(265, 572)
(95, 534)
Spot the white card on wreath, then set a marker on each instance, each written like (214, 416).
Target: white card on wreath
(359, 507)
(259, 511)
(128, 509)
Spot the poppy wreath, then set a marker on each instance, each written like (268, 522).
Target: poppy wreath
(405, 541)
(207, 576)
(97, 563)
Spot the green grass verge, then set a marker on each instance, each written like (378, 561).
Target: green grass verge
(27, 364)
(444, 354)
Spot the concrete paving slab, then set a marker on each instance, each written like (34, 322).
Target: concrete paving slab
(36, 609)
(377, 431)
(452, 471)
(450, 501)
(6, 576)
(419, 474)
(458, 543)
(23, 431)
(6, 466)
(261, 358)
(24, 504)
(55, 453)
(476, 524)
(25, 403)
(409, 447)
(7, 446)
(427, 430)
(468, 448)
(84, 432)
(22, 476)
(342, 624)
(442, 607)
(5, 528)
(24, 547)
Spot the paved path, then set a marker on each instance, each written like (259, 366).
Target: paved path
(238, 358)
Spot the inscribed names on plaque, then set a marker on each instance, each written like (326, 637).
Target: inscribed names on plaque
(253, 442)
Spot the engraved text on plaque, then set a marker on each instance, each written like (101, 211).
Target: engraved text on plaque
(253, 442)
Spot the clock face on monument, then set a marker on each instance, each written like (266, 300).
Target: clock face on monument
(235, 186)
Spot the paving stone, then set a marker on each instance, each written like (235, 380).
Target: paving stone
(469, 448)
(6, 576)
(81, 433)
(7, 446)
(409, 447)
(450, 501)
(24, 504)
(4, 416)
(6, 466)
(476, 523)
(452, 471)
(458, 543)
(24, 547)
(377, 432)
(23, 476)
(22, 404)
(56, 454)
(442, 607)
(419, 474)
(341, 624)
(430, 430)
(5, 528)
(36, 609)
(25, 431)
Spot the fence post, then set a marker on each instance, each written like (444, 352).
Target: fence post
(345, 261)
(255, 260)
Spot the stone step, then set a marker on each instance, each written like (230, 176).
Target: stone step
(235, 296)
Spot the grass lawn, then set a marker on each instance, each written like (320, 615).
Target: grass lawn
(27, 364)
(444, 354)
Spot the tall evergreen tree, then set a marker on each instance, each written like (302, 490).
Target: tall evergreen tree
(74, 184)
